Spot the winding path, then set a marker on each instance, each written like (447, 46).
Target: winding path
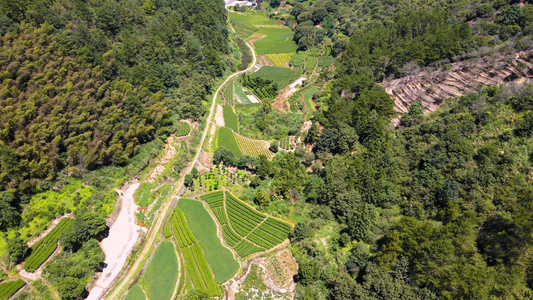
(121, 284)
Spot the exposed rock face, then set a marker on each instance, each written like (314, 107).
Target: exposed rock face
(432, 88)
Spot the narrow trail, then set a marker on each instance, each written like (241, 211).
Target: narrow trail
(120, 286)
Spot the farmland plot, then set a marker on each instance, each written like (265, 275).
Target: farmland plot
(42, 250)
(162, 272)
(196, 266)
(244, 229)
(252, 147)
(227, 140)
(204, 229)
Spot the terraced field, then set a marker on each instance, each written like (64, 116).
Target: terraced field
(244, 229)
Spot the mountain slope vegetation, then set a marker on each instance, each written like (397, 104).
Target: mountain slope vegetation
(83, 84)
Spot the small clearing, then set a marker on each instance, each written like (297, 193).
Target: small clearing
(287, 92)
(123, 236)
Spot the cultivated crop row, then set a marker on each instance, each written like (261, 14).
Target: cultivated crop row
(42, 250)
(245, 248)
(167, 232)
(285, 143)
(228, 93)
(296, 72)
(281, 59)
(195, 263)
(252, 147)
(230, 236)
(214, 199)
(183, 129)
(182, 232)
(8, 289)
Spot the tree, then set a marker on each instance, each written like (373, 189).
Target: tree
(273, 147)
(88, 225)
(415, 114)
(223, 155)
(16, 249)
(8, 213)
(308, 272)
(262, 198)
(362, 222)
(188, 181)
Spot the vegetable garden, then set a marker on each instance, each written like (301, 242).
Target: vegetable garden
(42, 250)
(9, 288)
(252, 147)
(285, 143)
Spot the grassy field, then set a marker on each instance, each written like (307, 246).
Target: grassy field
(162, 272)
(135, 293)
(227, 140)
(204, 229)
(230, 118)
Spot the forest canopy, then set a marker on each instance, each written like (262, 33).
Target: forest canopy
(85, 83)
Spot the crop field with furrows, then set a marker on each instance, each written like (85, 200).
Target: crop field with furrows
(204, 229)
(195, 262)
(244, 229)
(9, 288)
(227, 140)
(280, 59)
(183, 129)
(307, 100)
(252, 147)
(228, 93)
(42, 250)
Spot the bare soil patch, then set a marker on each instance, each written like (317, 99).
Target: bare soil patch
(219, 116)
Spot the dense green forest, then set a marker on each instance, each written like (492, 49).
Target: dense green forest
(88, 92)
(84, 83)
(438, 208)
